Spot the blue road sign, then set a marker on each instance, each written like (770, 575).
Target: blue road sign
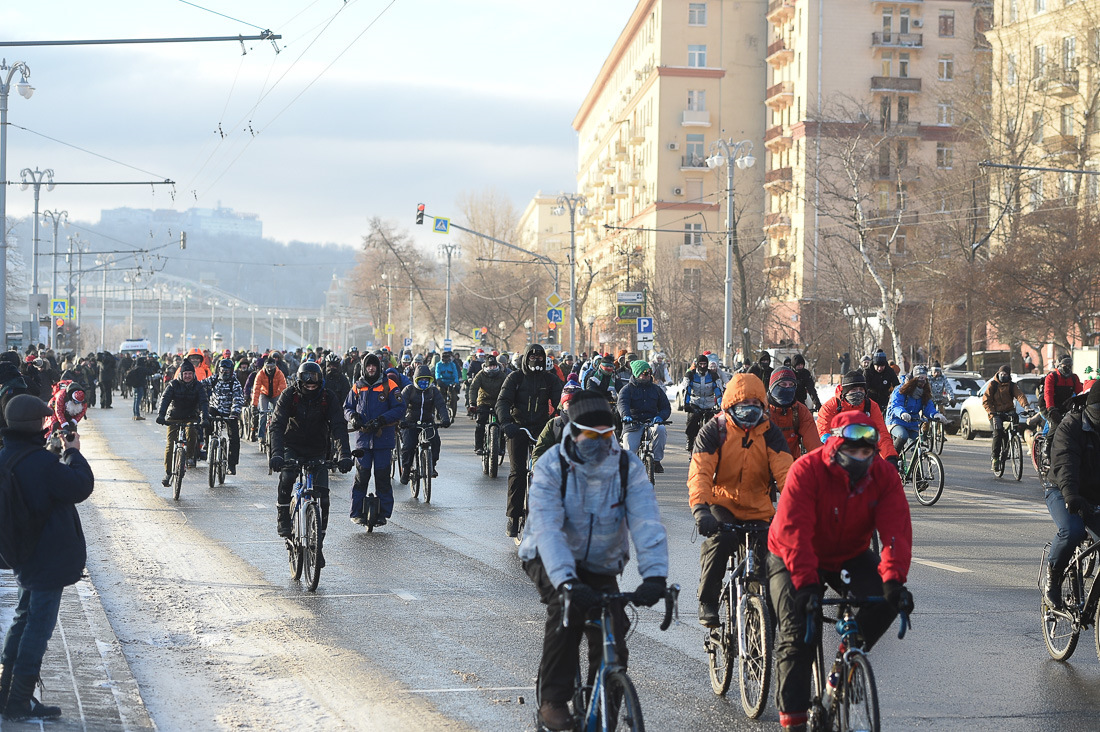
(59, 307)
(408, 343)
(554, 315)
(442, 226)
(645, 325)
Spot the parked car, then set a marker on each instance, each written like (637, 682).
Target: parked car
(974, 420)
(985, 362)
(961, 384)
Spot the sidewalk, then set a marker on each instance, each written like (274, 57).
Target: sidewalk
(84, 671)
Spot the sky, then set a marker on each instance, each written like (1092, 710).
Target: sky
(370, 107)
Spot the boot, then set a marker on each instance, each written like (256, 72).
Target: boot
(708, 614)
(321, 552)
(5, 684)
(138, 418)
(23, 705)
(555, 716)
(284, 527)
(1052, 589)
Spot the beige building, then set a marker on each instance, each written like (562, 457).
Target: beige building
(680, 76)
(539, 230)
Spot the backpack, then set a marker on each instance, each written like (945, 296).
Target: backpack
(20, 529)
(624, 473)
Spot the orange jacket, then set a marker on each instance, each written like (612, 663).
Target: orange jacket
(733, 468)
(271, 386)
(832, 407)
(806, 432)
(202, 371)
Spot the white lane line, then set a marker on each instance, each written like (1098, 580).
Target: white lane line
(404, 595)
(940, 565)
(259, 505)
(322, 596)
(467, 689)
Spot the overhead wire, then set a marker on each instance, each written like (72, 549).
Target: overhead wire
(89, 152)
(215, 12)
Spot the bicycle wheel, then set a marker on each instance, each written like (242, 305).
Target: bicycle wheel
(180, 467)
(212, 464)
(859, 697)
(1060, 632)
(395, 456)
(755, 659)
(426, 461)
(939, 437)
(721, 644)
(818, 714)
(294, 546)
(1016, 455)
(223, 460)
(1001, 470)
(371, 511)
(622, 701)
(492, 440)
(928, 479)
(414, 475)
(311, 549)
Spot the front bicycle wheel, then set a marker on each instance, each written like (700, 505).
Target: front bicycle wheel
(939, 437)
(625, 711)
(859, 697)
(212, 464)
(415, 474)
(426, 461)
(223, 460)
(928, 479)
(311, 549)
(999, 466)
(722, 645)
(294, 547)
(1060, 631)
(180, 463)
(492, 439)
(648, 462)
(755, 659)
(1016, 455)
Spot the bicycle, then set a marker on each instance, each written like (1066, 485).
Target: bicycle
(395, 456)
(932, 433)
(450, 394)
(923, 469)
(217, 451)
(1040, 448)
(422, 466)
(179, 454)
(846, 698)
(708, 414)
(1011, 448)
(304, 543)
(645, 448)
(265, 447)
(531, 440)
(611, 693)
(745, 627)
(494, 449)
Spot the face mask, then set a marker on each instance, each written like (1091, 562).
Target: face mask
(269, 370)
(1092, 412)
(1064, 370)
(536, 364)
(492, 369)
(423, 383)
(226, 374)
(855, 398)
(747, 416)
(1003, 378)
(855, 467)
(593, 452)
(783, 395)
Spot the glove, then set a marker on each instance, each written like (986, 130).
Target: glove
(371, 427)
(650, 591)
(690, 408)
(511, 430)
(707, 524)
(354, 424)
(583, 597)
(628, 420)
(893, 460)
(1078, 505)
(344, 464)
(161, 420)
(906, 417)
(446, 424)
(1054, 414)
(897, 596)
(805, 601)
(276, 463)
(940, 418)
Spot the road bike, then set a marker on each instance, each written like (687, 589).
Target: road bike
(423, 467)
(844, 698)
(217, 451)
(610, 702)
(303, 546)
(1011, 446)
(923, 469)
(1080, 595)
(645, 447)
(179, 454)
(745, 626)
(493, 447)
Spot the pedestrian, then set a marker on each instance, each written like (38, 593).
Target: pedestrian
(51, 488)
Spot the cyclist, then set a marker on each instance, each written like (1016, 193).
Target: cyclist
(587, 496)
(227, 401)
(198, 360)
(807, 385)
(702, 394)
(790, 415)
(641, 402)
(662, 375)
(834, 498)
(851, 394)
(184, 399)
(909, 400)
(267, 388)
(554, 430)
(424, 404)
(524, 402)
(738, 454)
(335, 380)
(940, 386)
(372, 409)
(997, 401)
(448, 375)
(484, 390)
(306, 418)
(1058, 387)
(762, 369)
(881, 380)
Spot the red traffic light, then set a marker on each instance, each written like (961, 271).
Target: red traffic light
(60, 322)
(420, 213)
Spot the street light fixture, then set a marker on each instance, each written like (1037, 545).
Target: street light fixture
(57, 218)
(591, 333)
(35, 178)
(25, 90)
(103, 262)
(576, 205)
(448, 251)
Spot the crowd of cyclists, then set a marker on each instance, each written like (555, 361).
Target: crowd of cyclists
(821, 476)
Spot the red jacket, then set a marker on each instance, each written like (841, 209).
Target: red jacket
(832, 407)
(821, 522)
(1057, 388)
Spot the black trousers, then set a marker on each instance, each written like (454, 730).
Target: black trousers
(233, 432)
(793, 656)
(105, 387)
(561, 646)
(483, 414)
(287, 479)
(715, 554)
(695, 422)
(517, 478)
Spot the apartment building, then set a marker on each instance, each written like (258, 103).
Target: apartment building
(539, 230)
(680, 76)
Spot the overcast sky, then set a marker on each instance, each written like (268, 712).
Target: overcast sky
(351, 120)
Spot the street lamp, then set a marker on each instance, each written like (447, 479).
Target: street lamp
(448, 251)
(57, 218)
(271, 314)
(35, 178)
(252, 331)
(104, 262)
(527, 324)
(576, 205)
(591, 333)
(185, 293)
(211, 302)
(736, 154)
(132, 279)
(25, 90)
(389, 309)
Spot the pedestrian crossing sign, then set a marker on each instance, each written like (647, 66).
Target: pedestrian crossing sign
(59, 307)
(442, 226)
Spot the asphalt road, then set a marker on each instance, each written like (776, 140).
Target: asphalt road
(430, 623)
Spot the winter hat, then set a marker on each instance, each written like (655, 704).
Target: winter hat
(765, 357)
(9, 356)
(852, 379)
(187, 366)
(781, 374)
(639, 367)
(1092, 398)
(590, 409)
(920, 370)
(491, 360)
(1004, 369)
(798, 360)
(572, 382)
(24, 413)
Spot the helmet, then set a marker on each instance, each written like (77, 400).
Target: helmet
(406, 358)
(310, 373)
(418, 359)
(333, 359)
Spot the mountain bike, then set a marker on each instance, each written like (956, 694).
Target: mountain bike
(923, 469)
(610, 702)
(303, 546)
(844, 698)
(248, 425)
(1011, 447)
(395, 456)
(645, 447)
(422, 466)
(494, 447)
(179, 454)
(217, 451)
(1080, 599)
(450, 395)
(745, 627)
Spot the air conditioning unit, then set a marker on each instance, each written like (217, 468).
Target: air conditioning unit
(677, 191)
(673, 146)
(917, 23)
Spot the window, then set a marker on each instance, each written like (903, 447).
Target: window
(1038, 62)
(1069, 53)
(1065, 185)
(1094, 46)
(903, 21)
(693, 280)
(1037, 127)
(903, 110)
(1010, 70)
(697, 100)
(693, 235)
(697, 13)
(695, 148)
(899, 243)
(903, 196)
(1013, 11)
(945, 113)
(697, 56)
(947, 24)
(884, 112)
(1067, 120)
(887, 20)
(1036, 191)
(945, 155)
(883, 201)
(1040, 6)
(1010, 128)
(903, 65)
(888, 64)
(883, 162)
(903, 153)
(946, 68)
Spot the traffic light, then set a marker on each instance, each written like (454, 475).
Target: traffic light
(420, 213)
(551, 334)
(62, 334)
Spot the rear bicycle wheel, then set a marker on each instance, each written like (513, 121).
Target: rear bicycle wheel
(212, 464)
(426, 461)
(1001, 470)
(294, 546)
(755, 659)
(1060, 631)
(1016, 456)
(311, 546)
(625, 711)
(721, 645)
(939, 436)
(859, 697)
(928, 479)
(180, 467)
(492, 439)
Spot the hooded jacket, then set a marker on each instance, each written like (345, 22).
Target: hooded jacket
(226, 397)
(202, 370)
(380, 400)
(832, 407)
(998, 397)
(526, 396)
(271, 386)
(880, 384)
(643, 402)
(425, 405)
(900, 404)
(798, 426)
(307, 423)
(183, 401)
(733, 467)
(485, 388)
(822, 521)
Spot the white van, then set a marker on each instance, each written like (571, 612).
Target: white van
(134, 347)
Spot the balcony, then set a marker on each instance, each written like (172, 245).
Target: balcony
(635, 178)
(882, 219)
(619, 192)
(777, 138)
(777, 222)
(778, 54)
(901, 129)
(780, 11)
(695, 118)
(779, 96)
(1060, 145)
(894, 84)
(620, 151)
(607, 165)
(690, 162)
(778, 179)
(1059, 82)
(637, 135)
(897, 40)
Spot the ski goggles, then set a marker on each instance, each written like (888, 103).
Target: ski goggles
(857, 433)
(593, 433)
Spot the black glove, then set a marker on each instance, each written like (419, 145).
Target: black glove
(1054, 414)
(446, 424)
(583, 597)
(893, 460)
(161, 419)
(354, 424)
(708, 525)
(1078, 505)
(897, 596)
(806, 602)
(276, 462)
(650, 591)
(344, 464)
(371, 427)
(511, 430)
(690, 408)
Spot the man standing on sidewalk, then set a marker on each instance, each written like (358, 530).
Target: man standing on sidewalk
(50, 552)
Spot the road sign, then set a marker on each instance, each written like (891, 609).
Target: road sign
(59, 307)
(645, 341)
(446, 344)
(629, 313)
(553, 315)
(553, 301)
(408, 343)
(630, 297)
(389, 329)
(442, 226)
(370, 344)
(645, 326)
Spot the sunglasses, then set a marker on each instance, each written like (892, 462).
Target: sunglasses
(857, 433)
(593, 433)
(646, 373)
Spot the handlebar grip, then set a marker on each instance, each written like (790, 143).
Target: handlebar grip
(671, 596)
(904, 624)
(813, 609)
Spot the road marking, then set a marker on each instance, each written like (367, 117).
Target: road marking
(404, 595)
(467, 689)
(259, 505)
(940, 565)
(322, 596)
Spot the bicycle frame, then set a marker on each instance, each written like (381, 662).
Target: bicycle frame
(1084, 613)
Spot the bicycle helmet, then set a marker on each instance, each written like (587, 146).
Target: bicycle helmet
(406, 358)
(310, 373)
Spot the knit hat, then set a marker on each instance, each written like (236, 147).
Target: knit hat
(1005, 369)
(572, 383)
(1092, 398)
(590, 409)
(920, 370)
(781, 374)
(24, 413)
(798, 360)
(187, 366)
(639, 367)
(491, 360)
(765, 357)
(10, 356)
(852, 379)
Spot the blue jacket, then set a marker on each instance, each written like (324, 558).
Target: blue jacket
(381, 401)
(399, 378)
(52, 488)
(448, 373)
(703, 391)
(900, 403)
(643, 402)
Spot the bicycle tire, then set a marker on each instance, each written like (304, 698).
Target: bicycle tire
(622, 699)
(940, 437)
(755, 659)
(212, 464)
(414, 476)
(928, 479)
(1060, 633)
(223, 460)
(1016, 455)
(180, 464)
(649, 470)
(371, 510)
(395, 456)
(312, 547)
(722, 644)
(493, 438)
(859, 696)
(294, 546)
(426, 459)
(999, 472)
(487, 455)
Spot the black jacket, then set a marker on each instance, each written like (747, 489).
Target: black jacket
(337, 383)
(526, 396)
(182, 401)
(307, 424)
(805, 385)
(1075, 458)
(879, 385)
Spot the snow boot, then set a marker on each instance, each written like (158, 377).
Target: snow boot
(23, 705)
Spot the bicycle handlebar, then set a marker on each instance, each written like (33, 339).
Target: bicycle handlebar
(309, 464)
(817, 603)
(747, 527)
(671, 597)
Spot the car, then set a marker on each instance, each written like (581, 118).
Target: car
(974, 420)
(985, 362)
(961, 384)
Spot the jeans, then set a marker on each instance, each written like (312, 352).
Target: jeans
(903, 434)
(632, 439)
(379, 459)
(139, 394)
(1071, 530)
(30, 631)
